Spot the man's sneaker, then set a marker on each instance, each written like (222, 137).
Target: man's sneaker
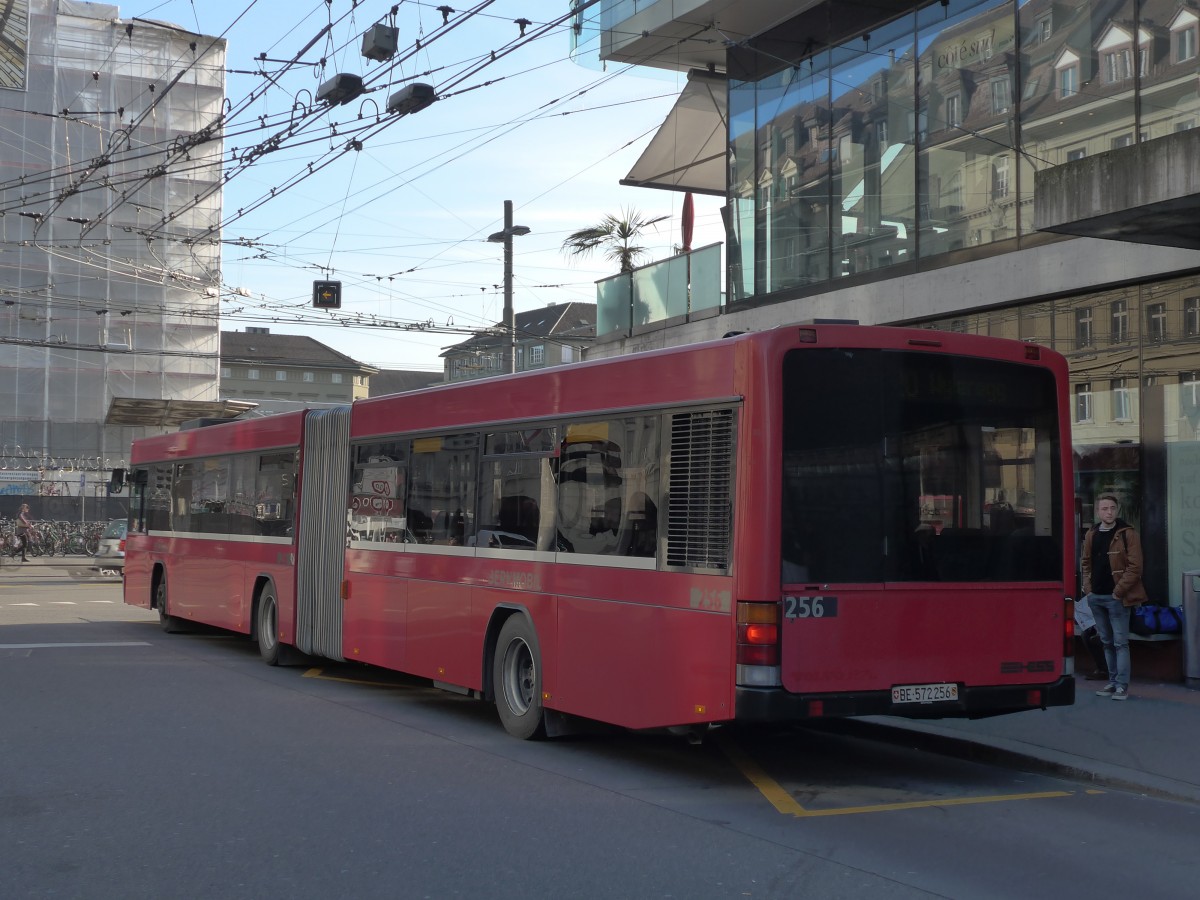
(1121, 693)
(1109, 690)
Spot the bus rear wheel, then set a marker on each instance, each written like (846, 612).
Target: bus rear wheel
(170, 624)
(517, 679)
(267, 626)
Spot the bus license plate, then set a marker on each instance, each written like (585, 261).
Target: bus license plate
(924, 693)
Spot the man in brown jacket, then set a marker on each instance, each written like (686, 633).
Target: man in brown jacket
(1111, 565)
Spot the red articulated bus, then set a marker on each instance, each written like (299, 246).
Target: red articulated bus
(731, 531)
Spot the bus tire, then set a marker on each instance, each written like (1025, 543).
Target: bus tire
(517, 679)
(266, 626)
(170, 624)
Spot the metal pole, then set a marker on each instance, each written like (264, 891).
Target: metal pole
(510, 323)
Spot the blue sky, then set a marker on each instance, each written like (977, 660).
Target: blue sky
(403, 223)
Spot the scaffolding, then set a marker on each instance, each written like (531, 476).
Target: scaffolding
(110, 206)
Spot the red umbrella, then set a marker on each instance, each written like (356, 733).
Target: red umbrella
(689, 216)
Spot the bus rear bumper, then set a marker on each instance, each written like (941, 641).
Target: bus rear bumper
(776, 704)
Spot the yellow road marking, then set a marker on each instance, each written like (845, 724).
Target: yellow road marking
(786, 804)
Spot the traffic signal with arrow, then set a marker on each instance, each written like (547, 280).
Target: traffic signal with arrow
(327, 294)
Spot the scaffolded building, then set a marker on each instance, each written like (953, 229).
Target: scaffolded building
(110, 206)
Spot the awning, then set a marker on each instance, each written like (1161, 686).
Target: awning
(688, 153)
(169, 413)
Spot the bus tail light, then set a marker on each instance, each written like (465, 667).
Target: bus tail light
(758, 644)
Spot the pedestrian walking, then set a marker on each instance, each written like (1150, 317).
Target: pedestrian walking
(1111, 565)
(24, 530)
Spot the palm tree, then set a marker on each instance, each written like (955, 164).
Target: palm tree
(616, 234)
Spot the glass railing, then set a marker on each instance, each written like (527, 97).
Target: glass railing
(678, 289)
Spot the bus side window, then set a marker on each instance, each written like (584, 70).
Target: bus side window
(608, 485)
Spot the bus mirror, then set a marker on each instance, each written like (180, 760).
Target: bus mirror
(116, 483)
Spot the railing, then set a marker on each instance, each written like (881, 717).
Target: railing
(679, 289)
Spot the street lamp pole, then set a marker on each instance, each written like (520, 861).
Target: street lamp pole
(510, 323)
(510, 319)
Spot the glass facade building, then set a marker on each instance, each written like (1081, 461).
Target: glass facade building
(914, 145)
(110, 203)
(882, 166)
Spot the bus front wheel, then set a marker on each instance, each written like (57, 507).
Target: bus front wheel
(267, 626)
(517, 679)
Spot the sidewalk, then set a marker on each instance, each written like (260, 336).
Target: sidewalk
(46, 566)
(1148, 744)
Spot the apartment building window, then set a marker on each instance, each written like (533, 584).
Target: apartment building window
(335, 378)
(1156, 323)
(281, 374)
(309, 377)
(1083, 402)
(1077, 153)
(1122, 140)
(1184, 36)
(1117, 66)
(953, 110)
(1068, 81)
(1189, 393)
(226, 372)
(1000, 178)
(1045, 29)
(1191, 316)
(537, 355)
(252, 374)
(1122, 403)
(1083, 328)
(1001, 96)
(1118, 330)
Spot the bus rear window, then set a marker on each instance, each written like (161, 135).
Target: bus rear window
(912, 466)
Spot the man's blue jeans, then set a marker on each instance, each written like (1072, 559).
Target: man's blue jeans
(1112, 624)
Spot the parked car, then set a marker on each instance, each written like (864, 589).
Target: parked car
(111, 552)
